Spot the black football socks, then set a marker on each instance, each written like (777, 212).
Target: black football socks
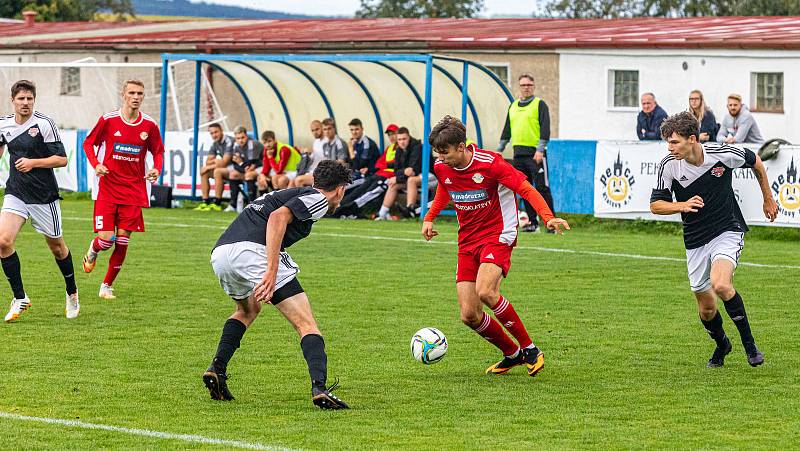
(735, 308)
(229, 342)
(68, 272)
(715, 330)
(11, 267)
(313, 347)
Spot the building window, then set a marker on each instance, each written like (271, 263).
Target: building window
(70, 81)
(501, 70)
(767, 91)
(623, 89)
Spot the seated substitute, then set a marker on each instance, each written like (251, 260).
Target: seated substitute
(280, 163)
(253, 268)
(363, 151)
(309, 158)
(221, 148)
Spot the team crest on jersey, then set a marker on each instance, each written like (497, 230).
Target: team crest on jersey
(143, 135)
(717, 171)
(477, 177)
(33, 131)
(617, 183)
(787, 191)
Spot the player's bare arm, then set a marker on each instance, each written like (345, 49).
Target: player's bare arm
(276, 229)
(770, 206)
(27, 164)
(663, 207)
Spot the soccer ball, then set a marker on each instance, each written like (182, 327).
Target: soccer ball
(428, 345)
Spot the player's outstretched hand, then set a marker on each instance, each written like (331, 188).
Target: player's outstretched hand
(152, 175)
(265, 288)
(692, 205)
(23, 164)
(100, 170)
(558, 224)
(427, 230)
(770, 209)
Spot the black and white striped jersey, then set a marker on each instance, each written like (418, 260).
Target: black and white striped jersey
(37, 138)
(712, 182)
(306, 204)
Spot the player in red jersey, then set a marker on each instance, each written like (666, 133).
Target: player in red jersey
(116, 148)
(482, 186)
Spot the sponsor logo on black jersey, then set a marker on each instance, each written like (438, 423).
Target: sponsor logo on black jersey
(617, 183)
(787, 191)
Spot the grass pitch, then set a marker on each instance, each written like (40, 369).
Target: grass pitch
(625, 353)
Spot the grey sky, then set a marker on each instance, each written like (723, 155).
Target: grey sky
(349, 7)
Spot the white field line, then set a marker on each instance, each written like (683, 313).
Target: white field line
(143, 432)
(452, 243)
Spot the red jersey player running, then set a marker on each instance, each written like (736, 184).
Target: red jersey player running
(482, 185)
(122, 139)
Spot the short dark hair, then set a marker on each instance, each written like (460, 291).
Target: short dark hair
(448, 132)
(683, 124)
(526, 75)
(215, 125)
(268, 134)
(331, 174)
(23, 85)
(356, 122)
(403, 131)
(329, 121)
(240, 129)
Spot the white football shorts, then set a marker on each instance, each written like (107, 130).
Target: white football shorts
(727, 245)
(241, 266)
(45, 218)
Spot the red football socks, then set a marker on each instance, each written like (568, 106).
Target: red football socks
(117, 257)
(507, 316)
(493, 332)
(99, 244)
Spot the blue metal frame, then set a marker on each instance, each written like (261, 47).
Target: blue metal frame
(241, 91)
(469, 103)
(280, 99)
(464, 92)
(426, 146)
(81, 162)
(405, 80)
(491, 74)
(367, 93)
(315, 84)
(163, 113)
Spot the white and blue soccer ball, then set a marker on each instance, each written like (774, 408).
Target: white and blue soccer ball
(428, 345)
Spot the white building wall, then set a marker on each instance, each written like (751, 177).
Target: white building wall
(586, 112)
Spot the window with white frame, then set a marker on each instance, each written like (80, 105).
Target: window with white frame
(766, 91)
(501, 70)
(70, 81)
(623, 88)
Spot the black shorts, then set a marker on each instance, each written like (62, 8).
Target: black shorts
(285, 292)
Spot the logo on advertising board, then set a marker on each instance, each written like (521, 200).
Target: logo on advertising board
(787, 191)
(617, 183)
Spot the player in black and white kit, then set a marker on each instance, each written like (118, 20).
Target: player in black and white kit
(34, 149)
(699, 175)
(252, 265)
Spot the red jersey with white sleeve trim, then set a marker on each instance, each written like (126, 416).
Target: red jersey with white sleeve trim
(122, 147)
(483, 193)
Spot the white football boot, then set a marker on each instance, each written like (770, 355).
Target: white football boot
(73, 306)
(106, 292)
(17, 307)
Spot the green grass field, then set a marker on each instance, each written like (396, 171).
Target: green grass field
(625, 353)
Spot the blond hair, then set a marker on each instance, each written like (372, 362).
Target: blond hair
(132, 81)
(702, 108)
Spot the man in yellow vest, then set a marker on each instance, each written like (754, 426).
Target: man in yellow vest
(528, 129)
(280, 163)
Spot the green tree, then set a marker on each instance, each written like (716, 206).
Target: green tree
(670, 8)
(419, 8)
(65, 10)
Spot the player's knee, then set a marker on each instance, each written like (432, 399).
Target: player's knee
(6, 243)
(723, 288)
(471, 318)
(58, 248)
(488, 296)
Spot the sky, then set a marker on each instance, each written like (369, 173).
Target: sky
(349, 7)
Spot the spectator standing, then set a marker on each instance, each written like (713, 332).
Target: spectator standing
(648, 123)
(739, 126)
(528, 128)
(704, 115)
(221, 147)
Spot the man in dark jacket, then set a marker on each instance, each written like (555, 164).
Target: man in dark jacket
(648, 123)
(408, 170)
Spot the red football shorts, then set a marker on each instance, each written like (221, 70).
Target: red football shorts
(470, 260)
(109, 216)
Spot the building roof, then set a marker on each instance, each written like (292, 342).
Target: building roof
(410, 34)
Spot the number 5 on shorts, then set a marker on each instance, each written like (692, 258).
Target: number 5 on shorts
(98, 222)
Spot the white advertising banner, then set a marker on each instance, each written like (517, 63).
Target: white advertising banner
(178, 157)
(67, 176)
(626, 172)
